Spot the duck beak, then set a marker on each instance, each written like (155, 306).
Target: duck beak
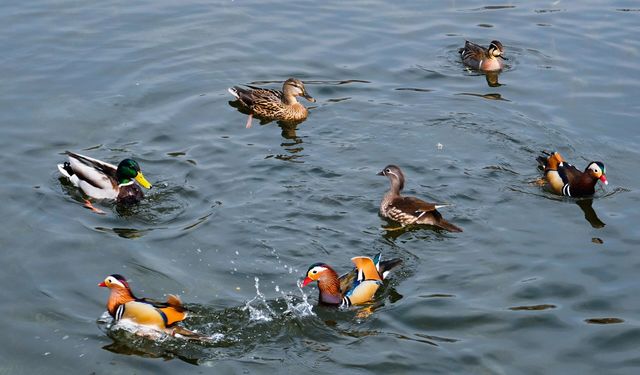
(306, 281)
(503, 58)
(143, 181)
(603, 178)
(381, 173)
(102, 285)
(309, 97)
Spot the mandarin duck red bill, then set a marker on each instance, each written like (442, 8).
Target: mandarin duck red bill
(355, 287)
(565, 179)
(409, 210)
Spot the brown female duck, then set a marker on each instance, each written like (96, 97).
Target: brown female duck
(480, 58)
(565, 179)
(270, 104)
(409, 210)
(356, 287)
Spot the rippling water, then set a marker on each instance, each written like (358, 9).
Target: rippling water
(535, 284)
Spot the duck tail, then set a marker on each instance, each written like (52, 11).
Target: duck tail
(442, 223)
(189, 335)
(549, 160)
(65, 169)
(234, 91)
(386, 266)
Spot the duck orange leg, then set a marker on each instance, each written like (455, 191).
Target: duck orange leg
(89, 205)
(249, 121)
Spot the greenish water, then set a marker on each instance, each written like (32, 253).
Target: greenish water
(534, 284)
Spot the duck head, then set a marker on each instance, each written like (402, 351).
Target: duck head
(129, 170)
(317, 272)
(395, 175)
(496, 49)
(294, 87)
(120, 292)
(596, 170)
(115, 281)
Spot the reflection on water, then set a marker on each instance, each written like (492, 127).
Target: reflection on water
(490, 96)
(492, 79)
(589, 213)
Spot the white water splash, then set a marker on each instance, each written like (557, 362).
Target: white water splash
(262, 312)
(300, 309)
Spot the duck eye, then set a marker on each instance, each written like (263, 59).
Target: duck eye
(387, 170)
(314, 271)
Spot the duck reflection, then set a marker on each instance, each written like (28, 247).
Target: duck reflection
(589, 213)
(492, 79)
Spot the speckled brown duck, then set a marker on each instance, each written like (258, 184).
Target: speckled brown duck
(565, 179)
(409, 210)
(356, 287)
(486, 59)
(270, 104)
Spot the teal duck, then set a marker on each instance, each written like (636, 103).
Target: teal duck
(409, 210)
(480, 58)
(270, 104)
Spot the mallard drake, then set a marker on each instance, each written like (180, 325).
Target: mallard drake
(270, 104)
(161, 316)
(101, 180)
(480, 58)
(355, 287)
(409, 210)
(565, 179)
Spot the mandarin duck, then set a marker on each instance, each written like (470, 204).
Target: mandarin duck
(480, 58)
(270, 104)
(409, 210)
(356, 287)
(101, 180)
(162, 316)
(565, 179)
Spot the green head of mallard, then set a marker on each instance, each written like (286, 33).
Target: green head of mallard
(129, 170)
(294, 87)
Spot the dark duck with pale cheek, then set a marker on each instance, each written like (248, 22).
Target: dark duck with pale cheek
(480, 58)
(101, 180)
(356, 287)
(270, 104)
(565, 179)
(162, 316)
(409, 210)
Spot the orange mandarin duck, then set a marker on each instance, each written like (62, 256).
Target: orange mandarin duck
(409, 210)
(163, 316)
(356, 287)
(565, 179)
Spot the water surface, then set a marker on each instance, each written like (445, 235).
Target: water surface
(533, 285)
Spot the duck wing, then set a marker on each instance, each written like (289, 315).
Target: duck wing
(172, 311)
(95, 177)
(255, 96)
(414, 206)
